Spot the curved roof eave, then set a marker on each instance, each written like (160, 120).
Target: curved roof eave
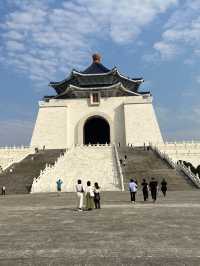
(129, 79)
(117, 85)
(113, 70)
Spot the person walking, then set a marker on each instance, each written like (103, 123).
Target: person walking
(133, 189)
(89, 195)
(97, 195)
(153, 187)
(164, 187)
(145, 190)
(59, 183)
(79, 192)
(3, 191)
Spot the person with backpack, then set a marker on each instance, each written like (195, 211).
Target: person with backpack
(145, 190)
(97, 196)
(153, 188)
(164, 187)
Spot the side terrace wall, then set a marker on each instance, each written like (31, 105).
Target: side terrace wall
(51, 127)
(141, 123)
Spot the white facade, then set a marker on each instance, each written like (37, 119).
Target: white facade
(60, 122)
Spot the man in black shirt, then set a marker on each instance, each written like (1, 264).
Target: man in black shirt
(153, 187)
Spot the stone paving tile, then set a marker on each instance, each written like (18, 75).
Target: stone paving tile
(45, 229)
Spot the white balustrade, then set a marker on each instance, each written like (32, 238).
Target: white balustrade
(93, 162)
(10, 155)
(119, 169)
(179, 166)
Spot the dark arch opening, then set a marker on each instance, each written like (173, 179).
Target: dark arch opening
(96, 131)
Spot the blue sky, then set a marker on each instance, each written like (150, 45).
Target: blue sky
(42, 40)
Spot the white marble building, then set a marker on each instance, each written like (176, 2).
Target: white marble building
(96, 105)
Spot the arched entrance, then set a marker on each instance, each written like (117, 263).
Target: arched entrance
(96, 130)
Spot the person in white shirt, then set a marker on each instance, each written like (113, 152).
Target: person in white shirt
(133, 189)
(80, 191)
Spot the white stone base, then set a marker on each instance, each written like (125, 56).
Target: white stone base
(95, 164)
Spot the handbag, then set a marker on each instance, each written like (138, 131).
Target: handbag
(91, 193)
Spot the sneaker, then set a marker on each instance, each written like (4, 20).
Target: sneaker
(80, 210)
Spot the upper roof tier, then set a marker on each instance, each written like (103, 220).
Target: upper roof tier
(96, 75)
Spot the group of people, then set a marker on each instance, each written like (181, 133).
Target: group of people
(152, 187)
(92, 195)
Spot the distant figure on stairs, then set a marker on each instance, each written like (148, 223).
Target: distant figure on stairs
(80, 191)
(133, 189)
(89, 195)
(3, 191)
(59, 185)
(164, 187)
(145, 189)
(153, 187)
(97, 196)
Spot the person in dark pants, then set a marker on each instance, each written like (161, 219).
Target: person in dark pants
(145, 189)
(133, 189)
(3, 191)
(164, 187)
(97, 196)
(153, 187)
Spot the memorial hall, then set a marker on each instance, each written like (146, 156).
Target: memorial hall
(97, 124)
(96, 106)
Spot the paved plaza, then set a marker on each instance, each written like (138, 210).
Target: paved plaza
(45, 229)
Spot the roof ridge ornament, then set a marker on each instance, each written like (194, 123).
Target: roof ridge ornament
(96, 58)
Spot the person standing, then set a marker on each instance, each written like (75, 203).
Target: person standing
(145, 189)
(89, 195)
(97, 196)
(133, 189)
(59, 185)
(79, 192)
(3, 191)
(164, 187)
(153, 187)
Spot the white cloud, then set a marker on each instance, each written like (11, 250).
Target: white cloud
(181, 32)
(45, 38)
(167, 50)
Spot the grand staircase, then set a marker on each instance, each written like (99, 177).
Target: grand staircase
(93, 163)
(18, 177)
(142, 163)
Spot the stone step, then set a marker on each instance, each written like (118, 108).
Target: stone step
(96, 164)
(19, 181)
(141, 164)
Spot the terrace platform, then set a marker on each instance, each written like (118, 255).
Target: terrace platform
(45, 229)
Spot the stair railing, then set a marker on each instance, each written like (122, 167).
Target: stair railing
(48, 168)
(187, 171)
(119, 169)
(15, 158)
(179, 166)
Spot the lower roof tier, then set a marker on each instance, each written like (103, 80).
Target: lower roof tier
(115, 90)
